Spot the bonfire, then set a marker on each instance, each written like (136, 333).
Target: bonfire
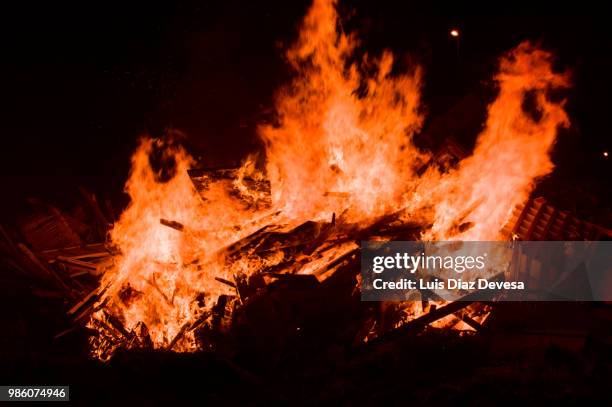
(193, 249)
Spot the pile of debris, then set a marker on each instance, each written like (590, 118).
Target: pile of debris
(272, 309)
(60, 255)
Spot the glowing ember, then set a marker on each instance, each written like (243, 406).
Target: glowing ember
(341, 151)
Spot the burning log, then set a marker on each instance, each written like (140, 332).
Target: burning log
(141, 333)
(117, 325)
(435, 314)
(248, 286)
(471, 322)
(253, 191)
(88, 305)
(226, 282)
(172, 224)
(188, 326)
(88, 299)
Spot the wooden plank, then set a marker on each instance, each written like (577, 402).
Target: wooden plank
(87, 298)
(172, 224)
(77, 262)
(188, 326)
(32, 257)
(471, 322)
(421, 322)
(226, 282)
(92, 246)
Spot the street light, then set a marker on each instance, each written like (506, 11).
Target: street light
(454, 32)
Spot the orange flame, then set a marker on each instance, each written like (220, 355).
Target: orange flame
(343, 142)
(511, 153)
(165, 278)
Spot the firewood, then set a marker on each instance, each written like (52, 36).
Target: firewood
(79, 273)
(424, 301)
(107, 328)
(172, 224)
(226, 282)
(335, 262)
(153, 283)
(91, 308)
(76, 262)
(40, 266)
(94, 255)
(117, 325)
(93, 295)
(47, 229)
(187, 326)
(471, 322)
(65, 332)
(435, 314)
(88, 305)
(75, 251)
(142, 335)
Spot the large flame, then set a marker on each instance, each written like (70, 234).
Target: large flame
(342, 144)
(511, 152)
(165, 278)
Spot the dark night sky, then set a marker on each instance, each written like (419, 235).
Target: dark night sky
(81, 82)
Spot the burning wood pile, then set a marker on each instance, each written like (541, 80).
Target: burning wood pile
(315, 266)
(210, 259)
